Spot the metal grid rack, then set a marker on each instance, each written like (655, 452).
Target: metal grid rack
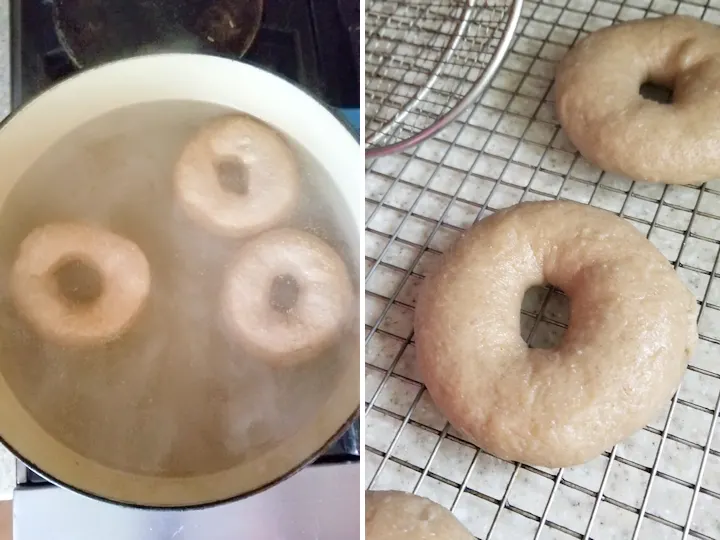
(426, 61)
(664, 481)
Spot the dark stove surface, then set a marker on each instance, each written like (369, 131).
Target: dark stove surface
(315, 43)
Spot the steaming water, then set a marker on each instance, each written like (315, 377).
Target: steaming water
(173, 396)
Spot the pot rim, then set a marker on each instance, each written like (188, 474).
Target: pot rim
(72, 79)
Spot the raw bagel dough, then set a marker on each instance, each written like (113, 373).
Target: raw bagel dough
(394, 515)
(238, 146)
(316, 317)
(601, 110)
(632, 330)
(121, 265)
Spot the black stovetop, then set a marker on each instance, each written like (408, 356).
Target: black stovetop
(315, 43)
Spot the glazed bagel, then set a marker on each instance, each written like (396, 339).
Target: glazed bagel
(286, 297)
(394, 515)
(36, 288)
(237, 177)
(632, 330)
(601, 110)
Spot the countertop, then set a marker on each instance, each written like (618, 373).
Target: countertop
(7, 461)
(319, 503)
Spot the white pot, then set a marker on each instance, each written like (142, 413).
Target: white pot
(41, 123)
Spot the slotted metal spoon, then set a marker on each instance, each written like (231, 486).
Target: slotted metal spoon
(426, 61)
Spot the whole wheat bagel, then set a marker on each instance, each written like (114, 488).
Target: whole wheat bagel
(287, 296)
(601, 110)
(62, 316)
(632, 330)
(394, 515)
(237, 177)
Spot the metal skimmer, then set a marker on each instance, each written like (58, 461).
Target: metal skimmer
(426, 61)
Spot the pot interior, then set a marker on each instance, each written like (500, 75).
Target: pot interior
(174, 412)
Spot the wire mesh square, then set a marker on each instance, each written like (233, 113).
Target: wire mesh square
(421, 58)
(663, 481)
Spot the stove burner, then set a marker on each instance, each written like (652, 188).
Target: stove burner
(229, 26)
(315, 43)
(97, 31)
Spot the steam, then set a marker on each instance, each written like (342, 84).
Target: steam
(175, 395)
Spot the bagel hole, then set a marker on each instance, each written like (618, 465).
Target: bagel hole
(656, 92)
(284, 293)
(78, 282)
(544, 316)
(232, 176)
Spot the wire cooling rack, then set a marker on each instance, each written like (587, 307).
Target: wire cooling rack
(426, 61)
(664, 481)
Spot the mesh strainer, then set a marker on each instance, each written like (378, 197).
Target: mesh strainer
(426, 61)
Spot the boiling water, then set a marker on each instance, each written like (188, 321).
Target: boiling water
(173, 396)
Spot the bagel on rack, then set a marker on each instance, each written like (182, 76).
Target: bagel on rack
(394, 515)
(599, 105)
(632, 331)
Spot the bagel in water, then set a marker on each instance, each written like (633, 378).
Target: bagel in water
(394, 515)
(237, 177)
(632, 331)
(287, 296)
(79, 285)
(598, 101)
